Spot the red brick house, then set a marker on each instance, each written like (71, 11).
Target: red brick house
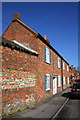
(74, 74)
(32, 69)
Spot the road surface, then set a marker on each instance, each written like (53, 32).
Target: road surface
(71, 109)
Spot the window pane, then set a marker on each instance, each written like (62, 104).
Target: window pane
(59, 63)
(47, 55)
(63, 66)
(47, 82)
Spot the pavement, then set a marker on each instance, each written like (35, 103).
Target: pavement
(46, 110)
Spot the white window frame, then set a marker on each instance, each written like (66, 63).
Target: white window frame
(63, 66)
(67, 68)
(47, 82)
(59, 81)
(48, 55)
(64, 80)
(59, 63)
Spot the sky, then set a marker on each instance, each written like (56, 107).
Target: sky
(58, 20)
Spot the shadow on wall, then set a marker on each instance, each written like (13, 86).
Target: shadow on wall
(71, 96)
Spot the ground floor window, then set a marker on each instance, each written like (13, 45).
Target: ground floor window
(47, 82)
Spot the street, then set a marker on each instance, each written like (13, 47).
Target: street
(71, 109)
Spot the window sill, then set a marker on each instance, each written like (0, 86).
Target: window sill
(47, 89)
(59, 86)
(48, 63)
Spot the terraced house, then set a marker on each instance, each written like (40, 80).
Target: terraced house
(32, 70)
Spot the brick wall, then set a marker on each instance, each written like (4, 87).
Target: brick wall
(23, 73)
(19, 75)
(66, 74)
(0, 82)
(43, 68)
(17, 31)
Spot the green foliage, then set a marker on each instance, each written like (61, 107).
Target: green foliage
(18, 110)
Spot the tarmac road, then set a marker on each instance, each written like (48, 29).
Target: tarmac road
(70, 110)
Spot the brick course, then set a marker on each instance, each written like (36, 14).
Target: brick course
(23, 72)
(19, 75)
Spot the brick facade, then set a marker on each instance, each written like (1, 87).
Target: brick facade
(74, 74)
(19, 76)
(23, 72)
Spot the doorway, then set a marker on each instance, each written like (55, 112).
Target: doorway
(54, 85)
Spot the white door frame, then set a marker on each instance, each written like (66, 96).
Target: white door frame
(55, 85)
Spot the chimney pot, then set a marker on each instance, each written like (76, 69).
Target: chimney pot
(45, 37)
(16, 16)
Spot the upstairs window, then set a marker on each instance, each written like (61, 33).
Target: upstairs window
(47, 55)
(59, 81)
(67, 68)
(63, 66)
(59, 63)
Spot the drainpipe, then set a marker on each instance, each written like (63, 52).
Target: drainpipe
(62, 73)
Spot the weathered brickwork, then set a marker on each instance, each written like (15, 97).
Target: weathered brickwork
(66, 74)
(0, 82)
(17, 31)
(19, 75)
(43, 68)
(19, 79)
(17, 99)
(23, 73)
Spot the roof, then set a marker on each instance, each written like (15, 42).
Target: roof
(40, 37)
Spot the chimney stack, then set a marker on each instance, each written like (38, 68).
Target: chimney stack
(16, 16)
(45, 37)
